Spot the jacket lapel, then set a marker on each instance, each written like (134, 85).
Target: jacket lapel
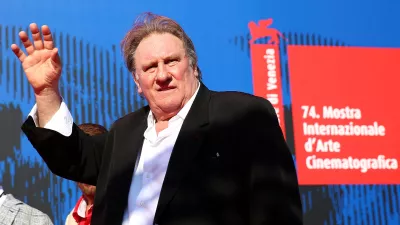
(187, 145)
(123, 165)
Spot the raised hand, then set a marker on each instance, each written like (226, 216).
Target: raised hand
(42, 63)
(42, 67)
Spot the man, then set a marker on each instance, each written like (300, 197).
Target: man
(15, 212)
(82, 212)
(192, 156)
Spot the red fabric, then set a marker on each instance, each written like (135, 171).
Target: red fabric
(80, 220)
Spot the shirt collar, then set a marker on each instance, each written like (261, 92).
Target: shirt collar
(79, 212)
(80, 208)
(181, 114)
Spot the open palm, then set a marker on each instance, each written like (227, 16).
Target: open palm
(42, 63)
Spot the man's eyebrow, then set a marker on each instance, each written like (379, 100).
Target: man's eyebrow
(173, 55)
(168, 57)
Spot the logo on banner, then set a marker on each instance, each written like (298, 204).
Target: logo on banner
(262, 30)
(266, 65)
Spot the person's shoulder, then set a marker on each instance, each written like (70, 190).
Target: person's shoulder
(36, 216)
(236, 101)
(27, 212)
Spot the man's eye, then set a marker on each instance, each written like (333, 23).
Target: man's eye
(172, 62)
(149, 68)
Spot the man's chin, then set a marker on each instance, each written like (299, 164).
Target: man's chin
(171, 107)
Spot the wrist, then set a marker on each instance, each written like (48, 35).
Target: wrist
(48, 96)
(49, 92)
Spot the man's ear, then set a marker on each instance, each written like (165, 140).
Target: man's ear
(196, 71)
(136, 79)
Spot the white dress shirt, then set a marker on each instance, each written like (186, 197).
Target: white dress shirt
(3, 196)
(151, 168)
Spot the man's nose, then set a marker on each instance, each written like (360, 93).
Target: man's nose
(163, 74)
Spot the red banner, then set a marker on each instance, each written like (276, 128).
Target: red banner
(267, 79)
(345, 103)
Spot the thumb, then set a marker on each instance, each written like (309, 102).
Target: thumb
(55, 58)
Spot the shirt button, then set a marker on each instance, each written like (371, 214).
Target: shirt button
(141, 203)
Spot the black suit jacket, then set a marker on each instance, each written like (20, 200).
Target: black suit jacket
(230, 164)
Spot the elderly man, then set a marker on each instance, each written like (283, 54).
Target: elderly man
(192, 156)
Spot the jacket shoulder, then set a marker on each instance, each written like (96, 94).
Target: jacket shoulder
(240, 102)
(131, 119)
(27, 212)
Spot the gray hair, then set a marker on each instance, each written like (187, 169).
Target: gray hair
(147, 24)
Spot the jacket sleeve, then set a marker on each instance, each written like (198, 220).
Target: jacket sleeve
(75, 157)
(274, 194)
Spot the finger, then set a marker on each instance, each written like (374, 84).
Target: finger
(27, 43)
(55, 58)
(18, 52)
(47, 38)
(36, 36)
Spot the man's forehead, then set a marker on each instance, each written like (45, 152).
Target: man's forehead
(178, 52)
(159, 46)
(154, 55)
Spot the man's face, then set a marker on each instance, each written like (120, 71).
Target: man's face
(88, 190)
(164, 74)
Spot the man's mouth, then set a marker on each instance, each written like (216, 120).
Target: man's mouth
(166, 89)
